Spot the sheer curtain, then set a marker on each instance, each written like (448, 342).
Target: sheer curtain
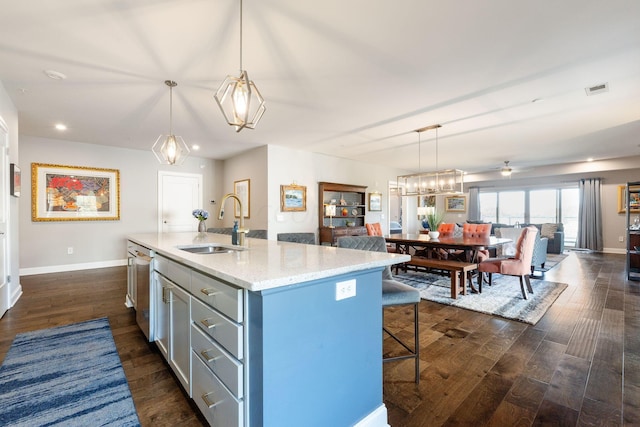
(474, 204)
(589, 215)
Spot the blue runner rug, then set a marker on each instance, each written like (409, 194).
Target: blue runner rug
(68, 375)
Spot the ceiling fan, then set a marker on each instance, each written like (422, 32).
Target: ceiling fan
(506, 169)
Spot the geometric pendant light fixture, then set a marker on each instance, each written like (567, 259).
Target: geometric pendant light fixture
(170, 150)
(238, 97)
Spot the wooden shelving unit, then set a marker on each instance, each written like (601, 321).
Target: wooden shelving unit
(633, 232)
(350, 211)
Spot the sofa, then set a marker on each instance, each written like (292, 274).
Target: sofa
(508, 249)
(554, 232)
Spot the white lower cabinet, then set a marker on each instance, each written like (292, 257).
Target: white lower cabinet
(179, 342)
(216, 403)
(161, 301)
(202, 338)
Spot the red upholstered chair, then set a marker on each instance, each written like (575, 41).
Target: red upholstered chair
(478, 230)
(374, 229)
(446, 229)
(519, 265)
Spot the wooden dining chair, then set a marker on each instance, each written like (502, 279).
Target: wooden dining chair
(519, 265)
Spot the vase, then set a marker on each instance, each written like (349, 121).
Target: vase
(202, 226)
(434, 234)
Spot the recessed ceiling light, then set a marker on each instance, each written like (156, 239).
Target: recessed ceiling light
(590, 159)
(195, 147)
(60, 126)
(55, 75)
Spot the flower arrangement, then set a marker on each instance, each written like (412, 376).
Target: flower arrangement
(200, 214)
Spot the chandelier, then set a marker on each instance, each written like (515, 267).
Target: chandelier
(238, 97)
(446, 181)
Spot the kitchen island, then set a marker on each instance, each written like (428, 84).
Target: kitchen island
(272, 333)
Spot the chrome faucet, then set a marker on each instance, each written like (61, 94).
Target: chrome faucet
(241, 230)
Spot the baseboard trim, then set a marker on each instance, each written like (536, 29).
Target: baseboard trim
(71, 267)
(377, 418)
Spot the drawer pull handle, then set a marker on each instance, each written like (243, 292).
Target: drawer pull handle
(207, 358)
(209, 292)
(207, 324)
(205, 398)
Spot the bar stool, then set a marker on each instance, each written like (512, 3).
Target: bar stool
(394, 293)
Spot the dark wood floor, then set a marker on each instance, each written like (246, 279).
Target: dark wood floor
(580, 365)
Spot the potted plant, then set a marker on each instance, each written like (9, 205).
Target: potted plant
(434, 219)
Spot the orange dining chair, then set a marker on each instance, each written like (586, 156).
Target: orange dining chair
(519, 265)
(374, 229)
(445, 230)
(478, 230)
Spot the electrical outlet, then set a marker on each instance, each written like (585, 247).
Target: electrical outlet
(620, 238)
(70, 250)
(346, 289)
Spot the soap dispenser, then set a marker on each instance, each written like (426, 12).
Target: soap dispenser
(234, 233)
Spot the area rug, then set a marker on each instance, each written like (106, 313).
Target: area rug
(503, 298)
(553, 260)
(65, 376)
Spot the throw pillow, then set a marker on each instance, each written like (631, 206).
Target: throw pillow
(548, 230)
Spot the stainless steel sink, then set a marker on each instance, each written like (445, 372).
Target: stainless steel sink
(210, 248)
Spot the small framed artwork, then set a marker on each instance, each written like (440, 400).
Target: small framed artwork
(293, 198)
(634, 199)
(14, 180)
(455, 203)
(375, 202)
(243, 189)
(74, 193)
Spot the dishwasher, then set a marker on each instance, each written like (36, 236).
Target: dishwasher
(141, 273)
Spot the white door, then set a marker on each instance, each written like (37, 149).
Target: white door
(178, 195)
(4, 202)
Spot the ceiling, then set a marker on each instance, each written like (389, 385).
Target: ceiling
(343, 78)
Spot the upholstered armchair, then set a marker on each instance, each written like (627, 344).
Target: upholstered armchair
(519, 265)
(539, 257)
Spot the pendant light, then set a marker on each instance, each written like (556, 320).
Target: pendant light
(238, 97)
(170, 150)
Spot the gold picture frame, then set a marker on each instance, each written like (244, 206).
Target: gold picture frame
(293, 198)
(634, 195)
(455, 203)
(375, 202)
(242, 189)
(74, 193)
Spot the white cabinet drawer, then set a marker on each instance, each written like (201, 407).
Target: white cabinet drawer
(219, 295)
(228, 370)
(177, 273)
(218, 406)
(218, 327)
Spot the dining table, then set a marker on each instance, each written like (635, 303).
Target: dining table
(424, 245)
(412, 243)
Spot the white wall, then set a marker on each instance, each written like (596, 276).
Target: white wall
(9, 114)
(43, 245)
(288, 166)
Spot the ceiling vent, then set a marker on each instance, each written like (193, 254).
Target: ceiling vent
(594, 90)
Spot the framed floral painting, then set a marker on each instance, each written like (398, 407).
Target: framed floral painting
(74, 193)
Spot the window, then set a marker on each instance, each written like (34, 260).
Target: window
(535, 206)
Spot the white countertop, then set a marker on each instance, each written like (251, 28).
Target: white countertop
(265, 264)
